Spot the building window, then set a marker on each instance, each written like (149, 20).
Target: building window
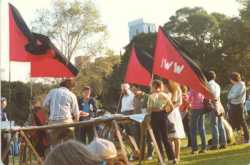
(149, 29)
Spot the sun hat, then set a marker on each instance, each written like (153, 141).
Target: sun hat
(103, 148)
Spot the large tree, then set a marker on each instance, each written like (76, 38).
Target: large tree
(73, 25)
(95, 74)
(196, 30)
(215, 41)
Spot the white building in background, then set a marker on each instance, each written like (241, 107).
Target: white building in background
(139, 26)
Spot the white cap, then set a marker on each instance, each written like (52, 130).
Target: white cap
(125, 86)
(103, 148)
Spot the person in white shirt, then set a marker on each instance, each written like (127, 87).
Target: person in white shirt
(127, 103)
(219, 137)
(127, 108)
(236, 98)
(63, 108)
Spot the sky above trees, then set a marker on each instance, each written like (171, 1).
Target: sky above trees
(116, 14)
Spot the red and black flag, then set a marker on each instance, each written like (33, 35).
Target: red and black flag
(25, 46)
(139, 68)
(172, 62)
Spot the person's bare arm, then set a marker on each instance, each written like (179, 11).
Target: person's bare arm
(169, 105)
(75, 108)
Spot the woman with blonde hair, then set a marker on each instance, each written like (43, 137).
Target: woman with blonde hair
(71, 153)
(159, 105)
(173, 89)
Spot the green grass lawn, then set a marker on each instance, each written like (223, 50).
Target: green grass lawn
(233, 155)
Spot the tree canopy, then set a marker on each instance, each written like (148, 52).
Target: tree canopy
(214, 41)
(75, 26)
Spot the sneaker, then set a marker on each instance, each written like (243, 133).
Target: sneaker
(214, 148)
(174, 162)
(149, 158)
(177, 161)
(223, 146)
(202, 151)
(194, 152)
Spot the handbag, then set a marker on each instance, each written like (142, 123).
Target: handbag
(208, 105)
(213, 105)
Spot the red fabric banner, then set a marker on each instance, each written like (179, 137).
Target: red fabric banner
(17, 42)
(136, 73)
(44, 62)
(169, 64)
(49, 67)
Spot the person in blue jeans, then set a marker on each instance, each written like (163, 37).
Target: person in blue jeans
(219, 137)
(88, 109)
(197, 121)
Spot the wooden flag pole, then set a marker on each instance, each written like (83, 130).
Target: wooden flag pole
(149, 128)
(119, 102)
(119, 136)
(1, 25)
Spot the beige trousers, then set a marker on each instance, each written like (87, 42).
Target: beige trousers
(60, 135)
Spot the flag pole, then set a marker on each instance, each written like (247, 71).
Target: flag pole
(120, 97)
(31, 91)
(9, 102)
(9, 85)
(119, 102)
(1, 163)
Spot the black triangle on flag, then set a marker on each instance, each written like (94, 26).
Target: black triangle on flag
(26, 46)
(139, 67)
(186, 55)
(171, 62)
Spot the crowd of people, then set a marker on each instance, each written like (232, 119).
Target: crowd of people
(174, 112)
